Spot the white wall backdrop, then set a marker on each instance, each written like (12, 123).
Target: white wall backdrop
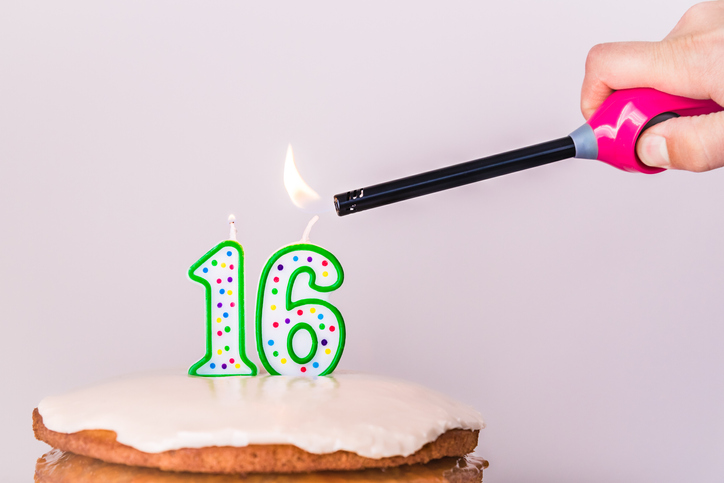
(579, 308)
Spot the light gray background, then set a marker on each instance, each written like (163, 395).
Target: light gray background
(579, 308)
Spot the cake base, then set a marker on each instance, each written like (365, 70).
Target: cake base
(60, 467)
(255, 458)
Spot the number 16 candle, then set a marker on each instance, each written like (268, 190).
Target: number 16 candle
(221, 272)
(297, 330)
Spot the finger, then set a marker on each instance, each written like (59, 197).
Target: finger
(620, 65)
(690, 143)
(702, 17)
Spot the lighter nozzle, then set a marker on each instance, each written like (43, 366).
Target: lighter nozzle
(346, 203)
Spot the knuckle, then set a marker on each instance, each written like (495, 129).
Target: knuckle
(717, 38)
(696, 13)
(710, 45)
(594, 56)
(696, 163)
(699, 146)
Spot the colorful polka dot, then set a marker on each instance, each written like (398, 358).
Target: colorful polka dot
(231, 293)
(325, 263)
(275, 324)
(280, 267)
(300, 312)
(303, 369)
(218, 351)
(271, 342)
(309, 259)
(327, 351)
(315, 365)
(324, 341)
(231, 361)
(218, 319)
(275, 291)
(219, 333)
(232, 304)
(331, 328)
(226, 348)
(205, 270)
(222, 291)
(283, 361)
(223, 265)
(228, 254)
(223, 366)
(219, 305)
(312, 310)
(214, 262)
(320, 316)
(296, 258)
(226, 315)
(229, 279)
(227, 329)
(275, 353)
(286, 321)
(325, 274)
(273, 307)
(218, 280)
(212, 365)
(231, 267)
(276, 279)
(321, 326)
(237, 366)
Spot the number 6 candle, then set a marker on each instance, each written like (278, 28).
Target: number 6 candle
(221, 272)
(297, 330)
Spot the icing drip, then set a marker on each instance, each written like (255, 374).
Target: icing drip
(372, 416)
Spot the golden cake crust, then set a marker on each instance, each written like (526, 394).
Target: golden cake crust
(255, 458)
(61, 467)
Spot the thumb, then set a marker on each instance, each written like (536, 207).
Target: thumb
(690, 143)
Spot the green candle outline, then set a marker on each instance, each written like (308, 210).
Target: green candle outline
(289, 305)
(240, 291)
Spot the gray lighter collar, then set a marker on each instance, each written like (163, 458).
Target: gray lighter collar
(585, 141)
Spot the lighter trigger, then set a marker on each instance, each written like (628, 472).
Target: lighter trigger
(664, 116)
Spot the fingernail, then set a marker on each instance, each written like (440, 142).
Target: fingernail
(653, 151)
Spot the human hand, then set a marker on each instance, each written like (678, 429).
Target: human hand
(688, 62)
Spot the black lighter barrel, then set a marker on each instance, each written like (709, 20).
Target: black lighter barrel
(453, 176)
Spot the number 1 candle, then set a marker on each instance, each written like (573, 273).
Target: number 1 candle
(221, 272)
(297, 330)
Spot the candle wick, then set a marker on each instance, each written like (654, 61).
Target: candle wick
(305, 236)
(232, 228)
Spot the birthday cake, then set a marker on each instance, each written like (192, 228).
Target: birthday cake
(172, 421)
(220, 416)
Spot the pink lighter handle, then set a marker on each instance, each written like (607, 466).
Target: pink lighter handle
(622, 117)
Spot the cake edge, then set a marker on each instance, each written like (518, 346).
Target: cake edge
(255, 458)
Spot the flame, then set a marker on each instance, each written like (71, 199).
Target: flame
(301, 194)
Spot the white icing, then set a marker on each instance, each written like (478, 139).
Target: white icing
(372, 416)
